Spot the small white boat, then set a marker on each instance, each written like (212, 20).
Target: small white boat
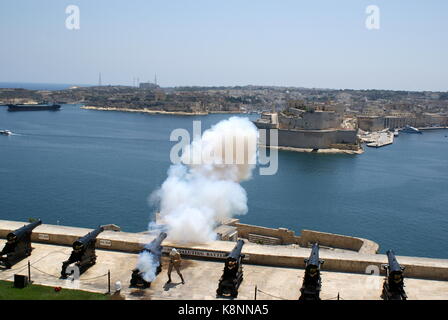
(396, 132)
(5, 132)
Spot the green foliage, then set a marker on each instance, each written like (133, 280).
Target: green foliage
(37, 292)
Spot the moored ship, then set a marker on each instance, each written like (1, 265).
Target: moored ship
(409, 129)
(33, 107)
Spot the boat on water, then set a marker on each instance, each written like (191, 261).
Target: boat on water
(5, 132)
(409, 129)
(33, 107)
(396, 132)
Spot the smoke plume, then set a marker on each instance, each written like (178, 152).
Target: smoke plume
(205, 188)
(147, 266)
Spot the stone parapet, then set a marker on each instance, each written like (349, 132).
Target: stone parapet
(283, 256)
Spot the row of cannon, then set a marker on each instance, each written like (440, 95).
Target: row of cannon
(18, 247)
(393, 286)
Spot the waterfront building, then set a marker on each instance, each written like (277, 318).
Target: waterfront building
(310, 127)
(371, 123)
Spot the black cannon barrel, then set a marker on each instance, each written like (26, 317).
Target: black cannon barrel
(88, 237)
(313, 260)
(394, 266)
(155, 246)
(19, 233)
(157, 242)
(393, 286)
(236, 252)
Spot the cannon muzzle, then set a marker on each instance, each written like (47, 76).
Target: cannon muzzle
(312, 283)
(233, 272)
(87, 239)
(21, 232)
(393, 286)
(394, 266)
(155, 246)
(236, 252)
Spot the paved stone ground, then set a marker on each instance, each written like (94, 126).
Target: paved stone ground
(202, 279)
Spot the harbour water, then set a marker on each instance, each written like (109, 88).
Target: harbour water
(84, 168)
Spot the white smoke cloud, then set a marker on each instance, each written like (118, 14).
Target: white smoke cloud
(205, 189)
(147, 266)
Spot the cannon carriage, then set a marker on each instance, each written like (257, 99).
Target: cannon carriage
(233, 272)
(83, 253)
(154, 248)
(312, 282)
(18, 245)
(393, 286)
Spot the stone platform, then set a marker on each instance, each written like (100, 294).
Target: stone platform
(273, 283)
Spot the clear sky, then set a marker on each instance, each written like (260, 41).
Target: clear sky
(315, 43)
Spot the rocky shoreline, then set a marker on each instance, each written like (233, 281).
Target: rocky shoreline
(150, 111)
(144, 110)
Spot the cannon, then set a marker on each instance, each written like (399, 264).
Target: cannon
(83, 253)
(150, 264)
(393, 286)
(18, 245)
(233, 272)
(312, 283)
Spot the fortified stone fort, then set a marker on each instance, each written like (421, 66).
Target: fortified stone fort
(317, 126)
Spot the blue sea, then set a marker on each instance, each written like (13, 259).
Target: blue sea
(84, 168)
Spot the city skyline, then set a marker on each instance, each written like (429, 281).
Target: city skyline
(297, 44)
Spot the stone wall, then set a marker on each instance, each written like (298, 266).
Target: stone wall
(133, 242)
(315, 139)
(63, 235)
(307, 237)
(346, 137)
(371, 123)
(394, 122)
(360, 245)
(316, 120)
(286, 236)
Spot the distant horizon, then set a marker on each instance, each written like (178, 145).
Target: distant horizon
(399, 46)
(3, 83)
